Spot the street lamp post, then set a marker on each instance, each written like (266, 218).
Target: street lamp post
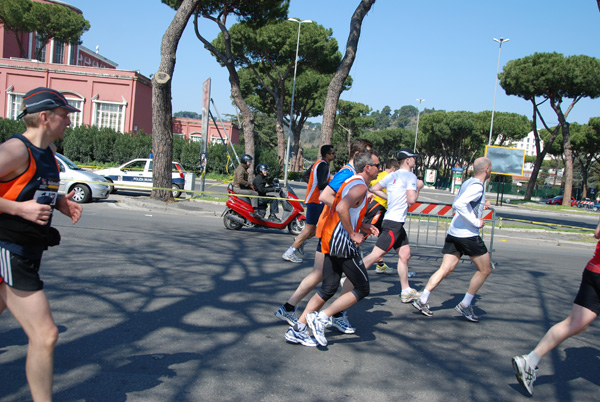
(287, 148)
(417, 130)
(500, 41)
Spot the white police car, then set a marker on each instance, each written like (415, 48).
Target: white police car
(137, 175)
(88, 186)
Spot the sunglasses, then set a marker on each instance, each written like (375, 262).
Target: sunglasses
(373, 164)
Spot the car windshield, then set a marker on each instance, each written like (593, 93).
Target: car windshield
(67, 162)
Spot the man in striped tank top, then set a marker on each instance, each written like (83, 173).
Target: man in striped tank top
(342, 232)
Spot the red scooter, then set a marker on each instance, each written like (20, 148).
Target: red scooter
(237, 213)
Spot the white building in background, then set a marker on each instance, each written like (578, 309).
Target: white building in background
(528, 144)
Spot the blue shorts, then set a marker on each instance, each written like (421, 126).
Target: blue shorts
(313, 211)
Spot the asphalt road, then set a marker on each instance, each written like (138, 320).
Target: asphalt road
(162, 306)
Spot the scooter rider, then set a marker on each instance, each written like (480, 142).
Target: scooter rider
(260, 185)
(242, 185)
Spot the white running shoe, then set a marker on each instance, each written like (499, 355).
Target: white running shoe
(288, 316)
(317, 326)
(342, 324)
(407, 297)
(525, 373)
(301, 337)
(467, 312)
(291, 257)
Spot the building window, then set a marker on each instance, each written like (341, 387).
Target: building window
(196, 137)
(38, 44)
(14, 105)
(72, 55)
(77, 117)
(109, 115)
(59, 52)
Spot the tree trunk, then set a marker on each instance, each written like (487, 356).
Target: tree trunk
(336, 85)
(280, 131)
(234, 81)
(162, 125)
(540, 155)
(247, 114)
(568, 154)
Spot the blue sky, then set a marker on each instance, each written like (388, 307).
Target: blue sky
(438, 50)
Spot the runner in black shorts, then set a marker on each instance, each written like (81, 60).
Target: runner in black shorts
(401, 190)
(586, 308)
(463, 239)
(29, 182)
(392, 235)
(21, 273)
(470, 246)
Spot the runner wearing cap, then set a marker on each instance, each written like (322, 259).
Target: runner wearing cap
(402, 191)
(29, 181)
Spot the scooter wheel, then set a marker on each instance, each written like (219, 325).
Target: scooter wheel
(296, 226)
(229, 223)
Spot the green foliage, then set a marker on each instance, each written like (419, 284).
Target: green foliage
(552, 76)
(256, 11)
(217, 160)
(387, 142)
(188, 115)
(9, 127)
(48, 20)
(269, 157)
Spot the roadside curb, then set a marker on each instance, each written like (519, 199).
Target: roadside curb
(189, 207)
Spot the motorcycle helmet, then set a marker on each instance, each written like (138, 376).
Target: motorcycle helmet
(246, 158)
(261, 166)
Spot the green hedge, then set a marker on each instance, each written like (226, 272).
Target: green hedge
(92, 145)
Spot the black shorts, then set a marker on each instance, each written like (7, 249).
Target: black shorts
(392, 235)
(471, 246)
(313, 212)
(375, 214)
(589, 291)
(352, 267)
(20, 272)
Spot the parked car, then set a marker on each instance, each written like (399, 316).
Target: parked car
(137, 175)
(559, 199)
(87, 185)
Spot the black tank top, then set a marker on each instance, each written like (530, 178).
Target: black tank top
(39, 182)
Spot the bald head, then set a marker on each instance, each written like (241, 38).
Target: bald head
(481, 164)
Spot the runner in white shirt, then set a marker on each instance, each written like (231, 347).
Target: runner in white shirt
(402, 191)
(463, 238)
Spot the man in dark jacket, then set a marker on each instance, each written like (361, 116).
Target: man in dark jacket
(242, 185)
(260, 185)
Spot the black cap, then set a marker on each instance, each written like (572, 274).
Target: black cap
(405, 153)
(40, 99)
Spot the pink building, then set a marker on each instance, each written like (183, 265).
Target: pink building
(107, 97)
(192, 129)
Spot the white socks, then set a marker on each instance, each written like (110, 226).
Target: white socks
(466, 302)
(533, 359)
(425, 296)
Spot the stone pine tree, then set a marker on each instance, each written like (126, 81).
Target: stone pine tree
(554, 78)
(48, 21)
(336, 86)
(265, 58)
(162, 120)
(253, 12)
